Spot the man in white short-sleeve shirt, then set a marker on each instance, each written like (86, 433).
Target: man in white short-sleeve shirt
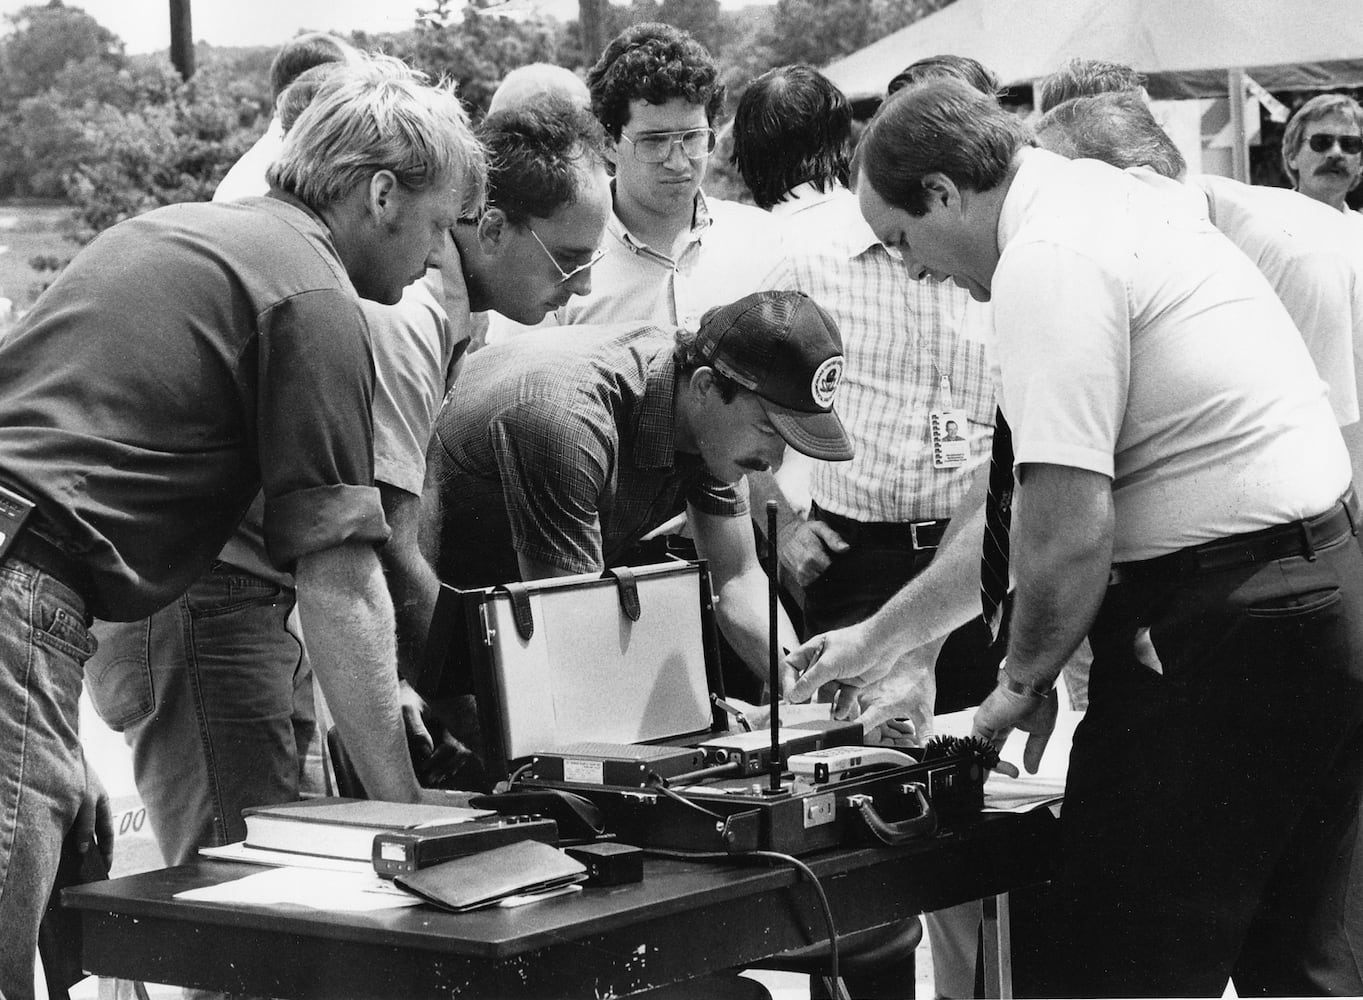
(1182, 498)
(1306, 250)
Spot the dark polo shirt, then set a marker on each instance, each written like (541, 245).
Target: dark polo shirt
(182, 362)
(560, 445)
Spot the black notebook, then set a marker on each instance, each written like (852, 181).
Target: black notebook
(489, 876)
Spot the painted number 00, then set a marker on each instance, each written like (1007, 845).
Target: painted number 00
(132, 821)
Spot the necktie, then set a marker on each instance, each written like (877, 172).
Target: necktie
(998, 514)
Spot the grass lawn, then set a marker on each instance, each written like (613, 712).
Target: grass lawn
(27, 231)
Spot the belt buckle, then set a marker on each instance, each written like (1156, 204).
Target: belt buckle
(913, 535)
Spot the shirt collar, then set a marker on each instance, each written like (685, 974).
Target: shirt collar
(801, 198)
(700, 222)
(854, 231)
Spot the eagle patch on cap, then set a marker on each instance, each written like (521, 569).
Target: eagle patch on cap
(824, 386)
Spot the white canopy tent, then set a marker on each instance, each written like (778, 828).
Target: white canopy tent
(1187, 48)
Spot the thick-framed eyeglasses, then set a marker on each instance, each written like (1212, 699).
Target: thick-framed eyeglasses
(655, 147)
(566, 276)
(1349, 145)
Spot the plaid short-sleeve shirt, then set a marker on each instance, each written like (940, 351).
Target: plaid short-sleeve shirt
(560, 446)
(900, 337)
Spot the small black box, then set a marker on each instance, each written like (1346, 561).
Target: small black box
(407, 851)
(630, 764)
(609, 863)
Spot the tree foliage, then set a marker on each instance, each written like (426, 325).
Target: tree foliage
(117, 135)
(819, 31)
(172, 146)
(45, 40)
(476, 52)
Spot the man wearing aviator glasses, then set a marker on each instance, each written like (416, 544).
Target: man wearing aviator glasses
(670, 252)
(1323, 148)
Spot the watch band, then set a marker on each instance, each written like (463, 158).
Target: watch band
(1014, 686)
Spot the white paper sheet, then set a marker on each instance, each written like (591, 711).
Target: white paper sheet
(284, 859)
(344, 892)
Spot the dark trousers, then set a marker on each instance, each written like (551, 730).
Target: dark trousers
(879, 560)
(876, 565)
(1211, 819)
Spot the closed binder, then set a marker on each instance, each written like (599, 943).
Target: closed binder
(482, 879)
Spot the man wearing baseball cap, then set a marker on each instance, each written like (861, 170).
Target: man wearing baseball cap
(565, 448)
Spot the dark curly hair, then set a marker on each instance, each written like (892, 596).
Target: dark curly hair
(655, 63)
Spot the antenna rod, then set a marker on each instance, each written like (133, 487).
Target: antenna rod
(773, 648)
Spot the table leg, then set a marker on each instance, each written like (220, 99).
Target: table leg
(998, 948)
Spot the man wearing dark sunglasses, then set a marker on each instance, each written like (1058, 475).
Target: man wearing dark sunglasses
(1323, 148)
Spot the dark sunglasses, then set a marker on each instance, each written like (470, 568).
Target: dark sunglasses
(1349, 145)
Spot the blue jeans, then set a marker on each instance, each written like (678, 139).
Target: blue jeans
(44, 643)
(214, 697)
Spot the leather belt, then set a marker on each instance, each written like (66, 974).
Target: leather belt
(37, 551)
(1297, 538)
(917, 536)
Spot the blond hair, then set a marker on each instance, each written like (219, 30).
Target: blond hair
(380, 114)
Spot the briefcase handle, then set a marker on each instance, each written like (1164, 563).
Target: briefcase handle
(918, 827)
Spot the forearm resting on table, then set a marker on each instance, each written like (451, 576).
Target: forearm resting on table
(347, 615)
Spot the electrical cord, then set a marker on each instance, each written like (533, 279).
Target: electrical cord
(701, 774)
(660, 787)
(836, 987)
(838, 990)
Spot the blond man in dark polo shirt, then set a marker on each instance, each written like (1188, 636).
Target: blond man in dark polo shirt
(184, 361)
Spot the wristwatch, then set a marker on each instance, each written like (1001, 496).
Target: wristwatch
(1014, 686)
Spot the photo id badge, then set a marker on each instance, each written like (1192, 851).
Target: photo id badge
(950, 438)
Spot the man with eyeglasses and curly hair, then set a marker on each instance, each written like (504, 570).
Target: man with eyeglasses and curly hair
(671, 251)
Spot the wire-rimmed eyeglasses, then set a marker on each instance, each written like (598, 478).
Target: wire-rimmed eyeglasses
(566, 276)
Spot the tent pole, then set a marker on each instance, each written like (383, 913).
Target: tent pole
(1235, 87)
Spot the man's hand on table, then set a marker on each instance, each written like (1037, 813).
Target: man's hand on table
(842, 655)
(895, 710)
(1005, 710)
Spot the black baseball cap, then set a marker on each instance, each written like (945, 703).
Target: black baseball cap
(785, 348)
